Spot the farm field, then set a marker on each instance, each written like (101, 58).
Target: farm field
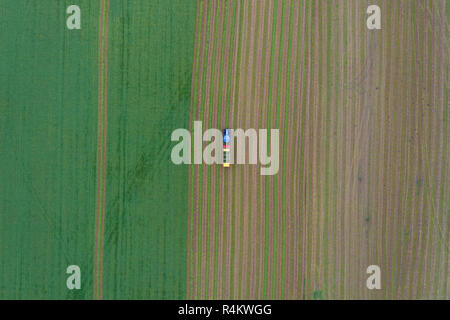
(87, 178)
(48, 150)
(364, 151)
(85, 124)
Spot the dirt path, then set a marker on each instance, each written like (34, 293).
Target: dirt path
(101, 149)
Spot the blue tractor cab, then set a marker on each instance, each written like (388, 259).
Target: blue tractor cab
(226, 136)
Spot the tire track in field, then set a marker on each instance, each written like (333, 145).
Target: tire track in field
(305, 143)
(101, 149)
(262, 120)
(331, 171)
(204, 170)
(419, 202)
(271, 181)
(238, 189)
(234, 186)
(313, 212)
(340, 143)
(291, 118)
(283, 124)
(298, 189)
(210, 122)
(255, 242)
(245, 244)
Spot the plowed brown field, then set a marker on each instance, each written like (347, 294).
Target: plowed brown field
(364, 151)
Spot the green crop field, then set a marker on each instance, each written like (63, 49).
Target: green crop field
(86, 177)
